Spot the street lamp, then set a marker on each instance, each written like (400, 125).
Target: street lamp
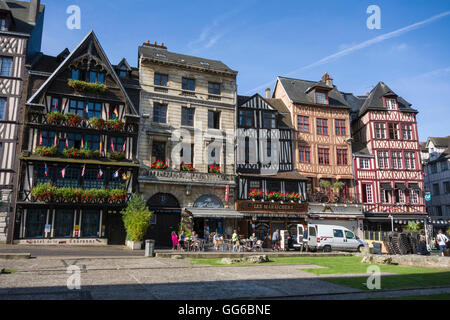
(392, 221)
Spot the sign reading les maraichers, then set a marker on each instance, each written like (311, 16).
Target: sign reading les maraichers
(257, 206)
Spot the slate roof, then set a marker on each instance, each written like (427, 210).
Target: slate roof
(441, 142)
(164, 56)
(375, 100)
(360, 149)
(283, 110)
(19, 11)
(296, 90)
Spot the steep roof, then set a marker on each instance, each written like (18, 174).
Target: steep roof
(297, 89)
(160, 54)
(19, 11)
(283, 110)
(441, 142)
(375, 100)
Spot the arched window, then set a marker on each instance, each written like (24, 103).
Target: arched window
(208, 201)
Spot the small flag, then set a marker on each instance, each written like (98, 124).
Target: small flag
(116, 174)
(40, 140)
(100, 174)
(107, 113)
(124, 146)
(82, 143)
(56, 140)
(63, 173)
(83, 171)
(112, 146)
(101, 146)
(55, 107)
(46, 170)
(67, 143)
(87, 110)
(116, 113)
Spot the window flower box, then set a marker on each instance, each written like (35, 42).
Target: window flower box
(98, 123)
(115, 125)
(73, 119)
(256, 194)
(187, 167)
(79, 85)
(44, 192)
(275, 196)
(117, 156)
(55, 117)
(117, 196)
(293, 196)
(47, 151)
(159, 165)
(73, 153)
(214, 169)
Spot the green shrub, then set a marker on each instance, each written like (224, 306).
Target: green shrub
(136, 218)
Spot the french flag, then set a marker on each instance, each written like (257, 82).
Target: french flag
(46, 170)
(100, 174)
(40, 140)
(83, 171)
(116, 174)
(56, 140)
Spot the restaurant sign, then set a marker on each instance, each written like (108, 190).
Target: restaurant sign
(276, 207)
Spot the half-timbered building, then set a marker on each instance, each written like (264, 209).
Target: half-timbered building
(78, 159)
(21, 25)
(271, 193)
(386, 155)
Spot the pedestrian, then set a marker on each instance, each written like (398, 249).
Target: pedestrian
(175, 242)
(276, 240)
(441, 239)
(235, 240)
(422, 248)
(181, 240)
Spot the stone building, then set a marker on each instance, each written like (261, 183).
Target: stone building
(21, 25)
(188, 116)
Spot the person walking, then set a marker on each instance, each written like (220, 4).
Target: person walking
(276, 240)
(175, 242)
(442, 239)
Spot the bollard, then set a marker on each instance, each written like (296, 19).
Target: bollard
(149, 248)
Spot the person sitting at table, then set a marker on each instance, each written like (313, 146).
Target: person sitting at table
(216, 240)
(181, 240)
(253, 239)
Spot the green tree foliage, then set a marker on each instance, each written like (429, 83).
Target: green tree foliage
(136, 218)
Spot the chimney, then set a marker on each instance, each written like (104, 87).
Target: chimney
(155, 45)
(327, 79)
(33, 11)
(268, 93)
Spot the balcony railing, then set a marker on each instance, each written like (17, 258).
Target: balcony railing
(170, 175)
(391, 208)
(26, 196)
(40, 119)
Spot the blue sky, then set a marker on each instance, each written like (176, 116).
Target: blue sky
(264, 39)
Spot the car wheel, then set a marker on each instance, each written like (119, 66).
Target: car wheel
(327, 249)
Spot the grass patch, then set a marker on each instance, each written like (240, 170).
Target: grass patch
(442, 296)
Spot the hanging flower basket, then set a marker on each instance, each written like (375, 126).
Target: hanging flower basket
(79, 85)
(159, 165)
(97, 123)
(73, 119)
(55, 117)
(47, 151)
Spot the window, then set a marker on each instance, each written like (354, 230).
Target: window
(380, 131)
(367, 193)
(2, 108)
(39, 175)
(48, 138)
(349, 235)
(96, 77)
(384, 196)
(304, 154)
(161, 79)
(91, 179)
(63, 223)
(338, 233)
(191, 147)
(188, 84)
(3, 26)
(321, 98)
(94, 110)
(439, 211)
(246, 118)
(444, 165)
(400, 196)
(340, 127)
(159, 113)
(90, 223)
(6, 66)
(391, 104)
(35, 225)
(410, 162)
(118, 143)
(364, 164)
(322, 127)
(447, 187)
(383, 160)
(123, 71)
(159, 151)
(407, 132)
(92, 142)
(324, 156)
(187, 116)
(55, 104)
(303, 124)
(74, 140)
(414, 196)
(214, 88)
(77, 107)
(213, 120)
(434, 168)
(397, 161)
(116, 182)
(436, 190)
(342, 159)
(269, 120)
(393, 131)
(71, 178)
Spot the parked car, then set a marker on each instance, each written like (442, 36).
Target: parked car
(333, 238)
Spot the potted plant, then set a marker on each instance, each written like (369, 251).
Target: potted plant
(293, 196)
(97, 123)
(102, 195)
(159, 165)
(73, 153)
(256, 194)
(89, 196)
(55, 117)
(79, 85)
(187, 167)
(214, 169)
(73, 119)
(46, 151)
(136, 218)
(115, 125)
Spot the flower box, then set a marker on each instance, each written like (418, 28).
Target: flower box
(256, 194)
(159, 165)
(293, 196)
(73, 153)
(214, 169)
(117, 156)
(117, 196)
(79, 85)
(55, 117)
(187, 167)
(98, 123)
(275, 196)
(46, 151)
(73, 119)
(44, 192)
(115, 125)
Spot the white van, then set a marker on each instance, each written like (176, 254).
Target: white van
(333, 238)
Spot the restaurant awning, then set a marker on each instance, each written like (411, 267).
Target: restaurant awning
(215, 213)
(400, 186)
(386, 186)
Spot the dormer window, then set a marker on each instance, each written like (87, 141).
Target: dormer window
(96, 77)
(391, 104)
(321, 97)
(123, 71)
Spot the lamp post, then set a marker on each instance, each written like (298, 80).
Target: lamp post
(392, 221)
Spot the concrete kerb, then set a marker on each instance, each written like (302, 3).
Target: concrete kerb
(15, 256)
(231, 255)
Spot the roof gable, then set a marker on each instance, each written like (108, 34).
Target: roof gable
(88, 49)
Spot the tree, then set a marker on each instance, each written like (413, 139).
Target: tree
(414, 227)
(136, 218)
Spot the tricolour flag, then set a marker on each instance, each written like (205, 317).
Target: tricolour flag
(40, 140)
(116, 174)
(63, 173)
(112, 146)
(83, 171)
(56, 140)
(100, 174)
(67, 143)
(46, 170)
